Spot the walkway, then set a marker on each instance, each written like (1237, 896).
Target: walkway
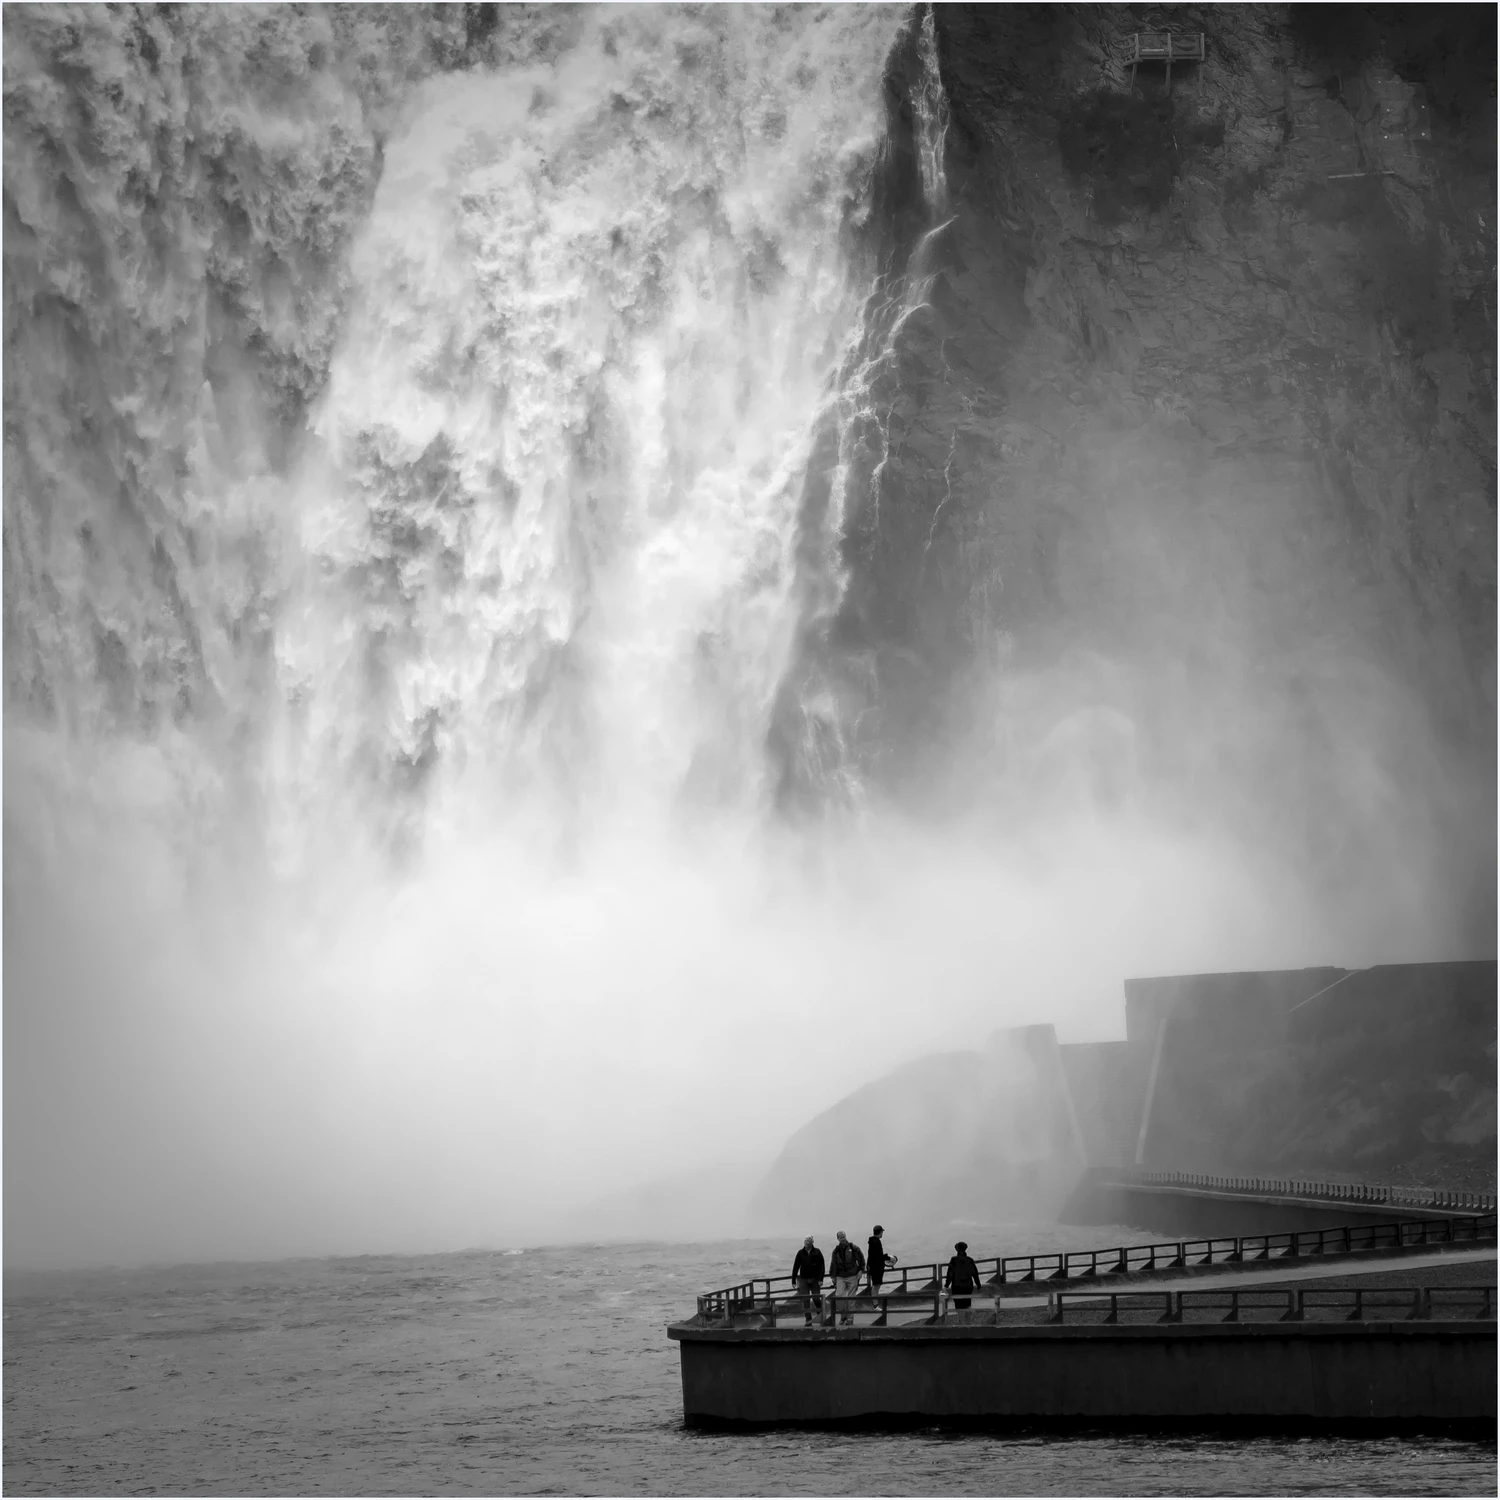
(1371, 1267)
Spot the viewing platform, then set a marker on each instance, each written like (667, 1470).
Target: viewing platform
(1350, 1327)
(770, 1298)
(1166, 47)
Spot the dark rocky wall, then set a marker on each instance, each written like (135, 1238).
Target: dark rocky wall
(1195, 441)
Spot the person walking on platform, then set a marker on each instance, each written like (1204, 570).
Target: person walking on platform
(876, 1260)
(807, 1272)
(962, 1277)
(845, 1267)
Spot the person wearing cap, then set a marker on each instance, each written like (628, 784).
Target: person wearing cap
(963, 1275)
(807, 1272)
(876, 1260)
(845, 1268)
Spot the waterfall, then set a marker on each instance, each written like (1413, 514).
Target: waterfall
(597, 306)
(930, 108)
(543, 543)
(515, 604)
(441, 465)
(821, 709)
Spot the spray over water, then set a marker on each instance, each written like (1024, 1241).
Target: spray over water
(390, 849)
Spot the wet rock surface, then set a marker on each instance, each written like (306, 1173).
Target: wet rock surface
(1190, 484)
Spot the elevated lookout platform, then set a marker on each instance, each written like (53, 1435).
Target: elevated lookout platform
(764, 1301)
(1166, 47)
(1396, 1337)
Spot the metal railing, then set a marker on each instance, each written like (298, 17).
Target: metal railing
(1332, 1192)
(921, 1283)
(1164, 46)
(843, 1309)
(1282, 1304)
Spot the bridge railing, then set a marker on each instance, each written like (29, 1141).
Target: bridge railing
(1281, 1304)
(1332, 1192)
(1163, 46)
(767, 1295)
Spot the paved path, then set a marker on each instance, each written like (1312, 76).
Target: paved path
(1307, 1271)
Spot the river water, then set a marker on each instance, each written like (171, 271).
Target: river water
(546, 1371)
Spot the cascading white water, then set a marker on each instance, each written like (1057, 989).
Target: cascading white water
(517, 615)
(867, 389)
(930, 107)
(597, 307)
(529, 592)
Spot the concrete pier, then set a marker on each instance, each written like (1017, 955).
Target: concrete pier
(1437, 1375)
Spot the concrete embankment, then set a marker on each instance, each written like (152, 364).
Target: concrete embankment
(1436, 1375)
(1376, 1076)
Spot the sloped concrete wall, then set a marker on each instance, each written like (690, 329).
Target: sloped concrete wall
(982, 1136)
(1385, 1074)
(1375, 1074)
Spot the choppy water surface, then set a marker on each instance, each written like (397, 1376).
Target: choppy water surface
(547, 1372)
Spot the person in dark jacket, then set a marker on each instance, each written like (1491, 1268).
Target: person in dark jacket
(807, 1272)
(845, 1268)
(963, 1275)
(876, 1260)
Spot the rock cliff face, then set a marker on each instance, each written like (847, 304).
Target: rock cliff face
(1190, 492)
(1181, 482)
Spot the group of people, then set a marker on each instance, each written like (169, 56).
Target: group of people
(849, 1264)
